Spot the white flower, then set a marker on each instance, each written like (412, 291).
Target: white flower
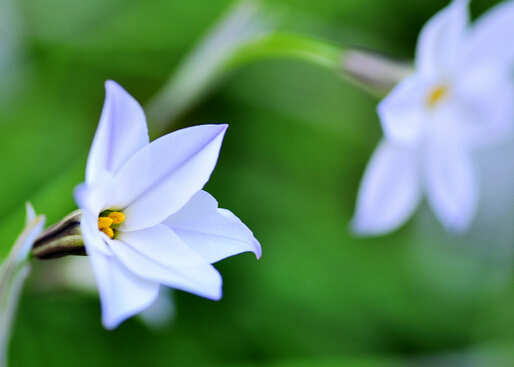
(14, 269)
(146, 220)
(460, 98)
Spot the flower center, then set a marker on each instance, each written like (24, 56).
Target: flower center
(436, 94)
(107, 219)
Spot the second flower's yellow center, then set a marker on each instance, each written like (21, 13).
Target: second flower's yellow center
(106, 221)
(436, 94)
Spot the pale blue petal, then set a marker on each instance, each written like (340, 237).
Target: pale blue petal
(161, 313)
(122, 293)
(403, 112)
(441, 39)
(213, 233)
(159, 255)
(164, 175)
(484, 105)
(94, 240)
(121, 132)
(451, 184)
(98, 196)
(390, 190)
(492, 37)
(93, 200)
(31, 213)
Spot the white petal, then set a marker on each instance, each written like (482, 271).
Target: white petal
(451, 184)
(390, 190)
(31, 213)
(121, 132)
(159, 255)
(164, 175)
(122, 293)
(92, 200)
(492, 36)
(98, 196)
(14, 269)
(93, 239)
(441, 39)
(403, 112)
(162, 312)
(213, 233)
(484, 105)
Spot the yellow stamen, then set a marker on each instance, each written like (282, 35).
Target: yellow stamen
(104, 222)
(436, 94)
(117, 217)
(108, 231)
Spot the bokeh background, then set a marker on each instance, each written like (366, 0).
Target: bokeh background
(290, 166)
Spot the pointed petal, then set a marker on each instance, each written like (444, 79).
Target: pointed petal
(31, 213)
(164, 175)
(403, 112)
(213, 233)
(451, 184)
(441, 39)
(492, 37)
(390, 190)
(122, 293)
(121, 132)
(159, 255)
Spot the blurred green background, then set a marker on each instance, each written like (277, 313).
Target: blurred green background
(290, 166)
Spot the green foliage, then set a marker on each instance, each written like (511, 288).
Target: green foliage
(290, 166)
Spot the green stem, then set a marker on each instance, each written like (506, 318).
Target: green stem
(371, 72)
(279, 45)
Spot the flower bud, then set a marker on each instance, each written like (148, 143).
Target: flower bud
(62, 239)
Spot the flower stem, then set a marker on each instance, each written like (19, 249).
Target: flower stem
(247, 33)
(369, 71)
(278, 45)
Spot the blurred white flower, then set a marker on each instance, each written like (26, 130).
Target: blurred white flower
(13, 271)
(145, 219)
(460, 98)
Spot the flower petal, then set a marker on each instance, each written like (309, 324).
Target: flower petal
(492, 36)
(92, 200)
(98, 196)
(403, 113)
(162, 312)
(122, 293)
(159, 255)
(440, 40)
(451, 184)
(483, 105)
(390, 190)
(164, 175)
(93, 240)
(121, 132)
(213, 233)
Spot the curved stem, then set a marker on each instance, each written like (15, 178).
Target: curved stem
(368, 71)
(278, 45)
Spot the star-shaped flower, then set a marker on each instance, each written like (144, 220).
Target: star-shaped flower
(460, 98)
(146, 220)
